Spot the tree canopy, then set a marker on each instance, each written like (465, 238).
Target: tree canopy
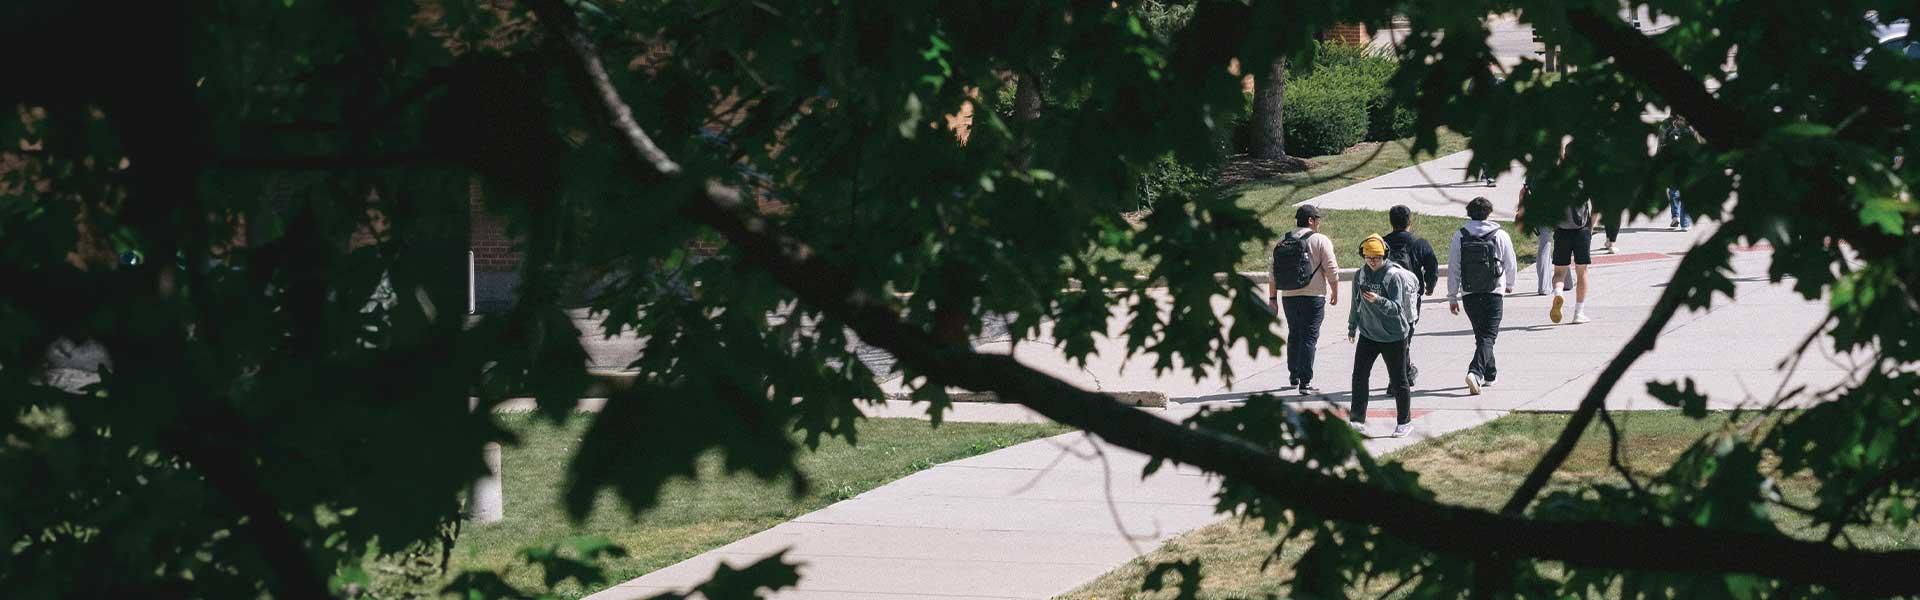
(754, 186)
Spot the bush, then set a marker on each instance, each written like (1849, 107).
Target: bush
(1325, 113)
(1361, 75)
(1167, 176)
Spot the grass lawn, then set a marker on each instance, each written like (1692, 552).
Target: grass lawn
(1273, 199)
(1478, 467)
(696, 516)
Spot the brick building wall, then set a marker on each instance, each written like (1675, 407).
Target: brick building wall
(1348, 33)
(487, 235)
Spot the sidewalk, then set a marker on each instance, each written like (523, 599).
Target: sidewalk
(1042, 518)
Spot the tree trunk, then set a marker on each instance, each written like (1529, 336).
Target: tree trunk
(1269, 92)
(1028, 95)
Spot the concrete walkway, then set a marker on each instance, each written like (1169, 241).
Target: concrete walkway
(1042, 518)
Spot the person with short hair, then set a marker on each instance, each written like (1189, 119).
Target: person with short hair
(1301, 292)
(1414, 254)
(1481, 253)
(1378, 324)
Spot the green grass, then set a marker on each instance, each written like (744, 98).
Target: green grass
(1479, 467)
(696, 516)
(1273, 199)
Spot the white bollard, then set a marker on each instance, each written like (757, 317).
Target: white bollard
(485, 502)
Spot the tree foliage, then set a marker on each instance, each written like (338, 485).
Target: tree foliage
(289, 376)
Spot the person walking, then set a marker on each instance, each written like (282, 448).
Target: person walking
(1413, 253)
(1611, 225)
(1674, 132)
(1479, 255)
(1542, 254)
(1572, 247)
(1306, 279)
(1378, 323)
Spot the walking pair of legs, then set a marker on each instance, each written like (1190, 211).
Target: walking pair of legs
(1303, 314)
(1541, 266)
(1484, 312)
(1395, 353)
(1571, 247)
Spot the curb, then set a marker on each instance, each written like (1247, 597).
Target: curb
(1135, 399)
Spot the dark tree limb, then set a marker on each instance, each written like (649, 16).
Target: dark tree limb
(1439, 527)
(1642, 342)
(562, 24)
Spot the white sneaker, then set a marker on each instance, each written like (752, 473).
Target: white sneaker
(1358, 428)
(1402, 429)
(1487, 383)
(1473, 384)
(1580, 315)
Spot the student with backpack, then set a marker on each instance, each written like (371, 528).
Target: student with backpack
(1306, 279)
(1480, 254)
(1414, 254)
(1381, 319)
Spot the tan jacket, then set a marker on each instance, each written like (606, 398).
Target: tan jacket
(1327, 275)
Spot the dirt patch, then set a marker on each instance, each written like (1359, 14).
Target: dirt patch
(1243, 168)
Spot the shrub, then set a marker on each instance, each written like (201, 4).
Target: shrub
(1168, 176)
(1326, 112)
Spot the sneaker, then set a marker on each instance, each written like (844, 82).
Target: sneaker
(1359, 427)
(1554, 313)
(1609, 249)
(1308, 389)
(1673, 224)
(1686, 227)
(1402, 429)
(1580, 315)
(1473, 384)
(1486, 383)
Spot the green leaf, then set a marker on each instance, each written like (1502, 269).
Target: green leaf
(1805, 129)
(1888, 214)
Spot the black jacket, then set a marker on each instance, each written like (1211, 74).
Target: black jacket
(1426, 266)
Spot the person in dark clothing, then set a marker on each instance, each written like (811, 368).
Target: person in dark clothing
(1412, 253)
(1481, 259)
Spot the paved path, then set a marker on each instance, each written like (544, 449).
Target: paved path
(1042, 518)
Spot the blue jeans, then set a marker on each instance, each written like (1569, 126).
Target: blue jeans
(1303, 314)
(1679, 210)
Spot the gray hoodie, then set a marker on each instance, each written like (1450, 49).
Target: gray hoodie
(1502, 244)
(1391, 318)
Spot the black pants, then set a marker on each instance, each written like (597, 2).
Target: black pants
(1483, 311)
(1396, 354)
(1303, 314)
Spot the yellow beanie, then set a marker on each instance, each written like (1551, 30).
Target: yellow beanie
(1373, 246)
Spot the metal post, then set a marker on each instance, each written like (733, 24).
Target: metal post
(470, 283)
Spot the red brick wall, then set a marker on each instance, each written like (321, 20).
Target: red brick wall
(487, 235)
(1348, 33)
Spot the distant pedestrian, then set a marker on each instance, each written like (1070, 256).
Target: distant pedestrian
(1572, 247)
(1413, 253)
(1541, 255)
(1306, 279)
(1674, 132)
(1480, 254)
(1381, 319)
(1611, 224)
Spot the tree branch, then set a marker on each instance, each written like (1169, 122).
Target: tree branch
(561, 22)
(1443, 528)
(1641, 343)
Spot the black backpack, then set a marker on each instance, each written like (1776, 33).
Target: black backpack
(1292, 265)
(1479, 262)
(1401, 253)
